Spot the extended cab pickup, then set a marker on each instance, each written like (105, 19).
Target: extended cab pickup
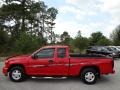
(57, 61)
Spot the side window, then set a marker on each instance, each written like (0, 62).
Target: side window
(93, 48)
(61, 52)
(46, 53)
(103, 49)
(109, 49)
(99, 49)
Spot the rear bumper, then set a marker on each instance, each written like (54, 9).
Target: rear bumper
(5, 71)
(113, 72)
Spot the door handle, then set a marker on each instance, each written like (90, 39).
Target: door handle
(50, 61)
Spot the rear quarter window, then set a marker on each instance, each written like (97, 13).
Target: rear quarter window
(61, 52)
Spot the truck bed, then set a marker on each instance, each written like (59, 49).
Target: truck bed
(86, 55)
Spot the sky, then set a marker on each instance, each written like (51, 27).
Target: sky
(88, 16)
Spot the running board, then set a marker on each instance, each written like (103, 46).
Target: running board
(49, 77)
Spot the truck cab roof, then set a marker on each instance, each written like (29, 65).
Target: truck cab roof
(56, 46)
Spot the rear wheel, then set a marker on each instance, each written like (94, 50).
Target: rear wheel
(17, 74)
(89, 76)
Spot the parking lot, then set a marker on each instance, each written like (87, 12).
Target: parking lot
(107, 82)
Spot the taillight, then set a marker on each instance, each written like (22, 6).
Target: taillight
(112, 63)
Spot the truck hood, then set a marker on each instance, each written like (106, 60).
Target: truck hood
(20, 57)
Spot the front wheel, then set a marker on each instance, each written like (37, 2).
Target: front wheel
(17, 74)
(89, 76)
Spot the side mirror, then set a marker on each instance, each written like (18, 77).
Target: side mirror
(34, 56)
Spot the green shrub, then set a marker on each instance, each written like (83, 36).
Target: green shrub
(27, 43)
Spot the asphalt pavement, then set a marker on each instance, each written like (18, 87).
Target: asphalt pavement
(106, 82)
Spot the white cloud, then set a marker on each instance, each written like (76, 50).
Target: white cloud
(1, 3)
(78, 13)
(83, 8)
(72, 1)
(84, 4)
(80, 8)
(81, 2)
(72, 27)
(110, 5)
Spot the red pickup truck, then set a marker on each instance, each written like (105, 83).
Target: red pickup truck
(57, 61)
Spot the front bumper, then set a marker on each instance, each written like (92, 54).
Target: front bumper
(5, 71)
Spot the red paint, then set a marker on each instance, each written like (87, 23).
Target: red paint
(68, 66)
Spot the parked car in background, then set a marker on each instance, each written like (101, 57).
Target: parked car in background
(114, 49)
(118, 47)
(102, 50)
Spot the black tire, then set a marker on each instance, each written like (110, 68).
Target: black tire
(89, 79)
(21, 72)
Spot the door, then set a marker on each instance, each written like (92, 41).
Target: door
(50, 62)
(41, 64)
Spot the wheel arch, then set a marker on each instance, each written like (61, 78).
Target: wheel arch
(16, 65)
(91, 66)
